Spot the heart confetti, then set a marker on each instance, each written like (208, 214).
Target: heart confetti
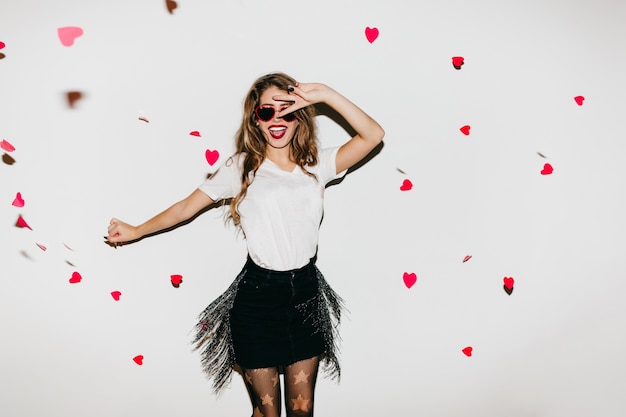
(116, 295)
(2, 45)
(171, 6)
(18, 201)
(579, 100)
(76, 278)
(138, 359)
(6, 146)
(195, 133)
(72, 97)
(40, 246)
(457, 62)
(465, 130)
(508, 285)
(371, 34)
(547, 169)
(176, 280)
(409, 279)
(22, 223)
(406, 185)
(211, 156)
(68, 34)
(143, 119)
(467, 258)
(467, 351)
(67, 247)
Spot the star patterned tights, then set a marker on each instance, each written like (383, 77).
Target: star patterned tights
(264, 388)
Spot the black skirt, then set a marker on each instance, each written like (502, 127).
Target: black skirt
(270, 318)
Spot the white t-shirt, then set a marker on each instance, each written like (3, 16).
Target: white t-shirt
(281, 212)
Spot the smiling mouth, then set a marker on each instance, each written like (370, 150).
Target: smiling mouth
(277, 132)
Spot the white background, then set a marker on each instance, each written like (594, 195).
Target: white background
(555, 347)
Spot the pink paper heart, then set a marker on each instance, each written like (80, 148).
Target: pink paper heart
(76, 278)
(467, 258)
(467, 351)
(195, 133)
(68, 34)
(116, 295)
(2, 45)
(579, 100)
(409, 279)
(465, 130)
(138, 359)
(22, 223)
(18, 201)
(547, 169)
(211, 156)
(6, 146)
(40, 246)
(406, 185)
(371, 34)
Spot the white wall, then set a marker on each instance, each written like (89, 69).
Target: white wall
(553, 348)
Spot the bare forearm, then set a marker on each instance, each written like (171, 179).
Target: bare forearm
(366, 127)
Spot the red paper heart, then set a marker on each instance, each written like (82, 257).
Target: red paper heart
(138, 359)
(467, 258)
(2, 45)
(211, 156)
(6, 146)
(195, 133)
(467, 351)
(547, 169)
(42, 247)
(176, 280)
(76, 278)
(116, 295)
(409, 279)
(68, 34)
(579, 100)
(371, 34)
(18, 201)
(457, 62)
(508, 282)
(465, 130)
(73, 97)
(22, 223)
(171, 6)
(406, 185)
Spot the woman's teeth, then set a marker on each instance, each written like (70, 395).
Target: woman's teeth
(277, 132)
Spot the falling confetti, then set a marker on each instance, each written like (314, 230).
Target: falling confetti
(547, 169)
(2, 45)
(171, 6)
(195, 133)
(143, 119)
(467, 258)
(371, 34)
(465, 130)
(73, 97)
(40, 246)
(400, 171)
(467, 351)
(409, 279)
(541, 155)
(67, 247)
(22, 223)
(138, 359)
(211, 156)
(579, 100)
(458, 62)
(8, 159)
(6, 146)
(508, 285)
(75, 278)
(68, 34)
(406, 185)
(18, 201)
(116, 295)
(176, 280)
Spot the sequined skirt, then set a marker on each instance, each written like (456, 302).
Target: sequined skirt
(270, 318)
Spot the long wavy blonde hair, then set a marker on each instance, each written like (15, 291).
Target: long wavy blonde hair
(250, 141)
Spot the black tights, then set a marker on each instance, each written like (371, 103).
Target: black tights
(265, 391)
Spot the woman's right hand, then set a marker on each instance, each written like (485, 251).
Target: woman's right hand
(120, 232)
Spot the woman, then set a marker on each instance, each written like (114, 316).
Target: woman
(276, 316)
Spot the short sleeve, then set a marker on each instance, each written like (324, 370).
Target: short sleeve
(225, 182)
(328, 165)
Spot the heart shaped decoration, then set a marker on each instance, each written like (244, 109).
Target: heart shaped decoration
(409, 279)
(176, 280)
(406, 185)
(465, 130)
(467, 258)
(371, 34)
(195, 133)
(2, 45)
(138, 359)
(68, 34)
(40, 246)
(144, 119)
(467, 351)
(6, 146)
(579, 100)
(76, 278)
(211, 156)
(547, 169)
(116, 295)
(457, 62)
(18, 201)
(22, 223)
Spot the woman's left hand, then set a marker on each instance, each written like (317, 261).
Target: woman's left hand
(302, 95)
